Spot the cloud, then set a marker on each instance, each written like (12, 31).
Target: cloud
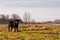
(30, 3)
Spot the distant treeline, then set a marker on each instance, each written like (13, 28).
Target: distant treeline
(57, 21)
(4, 21)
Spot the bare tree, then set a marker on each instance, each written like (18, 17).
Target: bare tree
(3, 17)
(7, 16)
(26, 17)
(15, 16)
(57, 21)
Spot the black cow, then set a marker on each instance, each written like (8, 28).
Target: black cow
(10, 25)
(14, 24)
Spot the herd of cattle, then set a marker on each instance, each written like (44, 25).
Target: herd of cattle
(13, 23)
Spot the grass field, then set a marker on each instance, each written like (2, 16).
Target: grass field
(47, 32)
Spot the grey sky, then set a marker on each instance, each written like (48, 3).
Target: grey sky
(41, 10)
(30, 3)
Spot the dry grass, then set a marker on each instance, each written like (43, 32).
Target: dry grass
(31, 32)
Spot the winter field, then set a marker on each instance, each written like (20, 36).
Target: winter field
(31, 32)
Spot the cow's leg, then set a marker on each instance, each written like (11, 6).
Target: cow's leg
(14, 29)
(9, 28)
(17, 29)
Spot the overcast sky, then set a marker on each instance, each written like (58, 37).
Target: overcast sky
(40, 10)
